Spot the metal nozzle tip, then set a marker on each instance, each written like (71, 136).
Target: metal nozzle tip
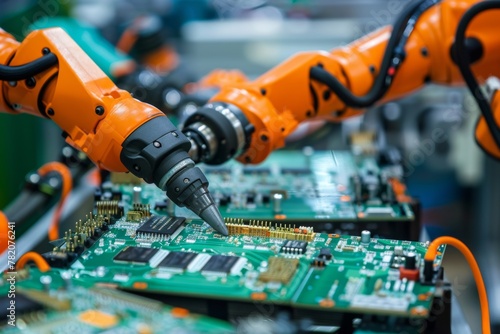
(213, 218)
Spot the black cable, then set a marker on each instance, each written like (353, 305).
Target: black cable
(393, 57)
(26, 71)
(463, 63)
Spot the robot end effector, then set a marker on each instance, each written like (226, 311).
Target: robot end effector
(48, 75)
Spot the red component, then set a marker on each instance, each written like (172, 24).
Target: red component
(410, 274)
(391, 71)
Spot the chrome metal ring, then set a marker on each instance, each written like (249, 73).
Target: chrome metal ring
(237, 126)
(180, 165)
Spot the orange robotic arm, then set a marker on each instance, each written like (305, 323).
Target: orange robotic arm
(382, 66)
(48, 75)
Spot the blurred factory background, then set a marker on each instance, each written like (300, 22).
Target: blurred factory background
(455, 182)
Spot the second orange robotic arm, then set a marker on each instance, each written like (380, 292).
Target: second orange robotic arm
(275, 103)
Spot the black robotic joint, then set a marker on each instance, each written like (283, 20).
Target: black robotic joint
(151, 146)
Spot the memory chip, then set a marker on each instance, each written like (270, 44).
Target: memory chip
(294, 247)
(160, 227)
(136, 255)
(220, 264)
(178, 261)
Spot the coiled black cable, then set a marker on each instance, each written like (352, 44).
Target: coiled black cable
(23, 72)
(463, 63)
(393, 57)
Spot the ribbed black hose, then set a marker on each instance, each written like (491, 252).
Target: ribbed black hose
(401, 30)
(26, 71)
(463, 63)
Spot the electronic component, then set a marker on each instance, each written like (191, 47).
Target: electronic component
(134, 216)
(59, 259)
(318, 262)
(143, 208)
(365, 237)
(109, 208)
(410, 261)
(75, 241)
(410, 270)
(398, 250)
(132, 254)
(397, 261)
(177, 261)
(294, 247)
(376, 303)
(99, 319)
(138, 212)
(301, 233)
(325, 253)
(137, 195)
(296, 171)
(256, 170)
(268, 229)
(253, 228)
(220, 264)
(159, 227)
(379, 212)
(279, 270)
(277, 200)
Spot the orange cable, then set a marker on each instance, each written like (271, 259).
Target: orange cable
(127, 40)
(481, 289)
(35, 257)
(67, 184)
(4, 232)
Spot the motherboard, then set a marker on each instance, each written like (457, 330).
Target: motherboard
(272, 263)
(56, 302)
(332, 191)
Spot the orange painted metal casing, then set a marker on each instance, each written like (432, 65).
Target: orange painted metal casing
(8, 47)
(162, 60)
(69, 94)
(282, 98)
(220, 78)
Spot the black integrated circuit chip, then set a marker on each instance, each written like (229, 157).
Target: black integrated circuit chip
(296, 171)
(177, 260)
(294, 247)
(136, 254)
(160, 226)
(220, 264)
(325, 254)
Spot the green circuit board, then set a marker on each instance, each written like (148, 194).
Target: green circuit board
(350, 275)
(314, 187)
(136, 241)
(334, 191)
(55, 302)
(259, 262)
